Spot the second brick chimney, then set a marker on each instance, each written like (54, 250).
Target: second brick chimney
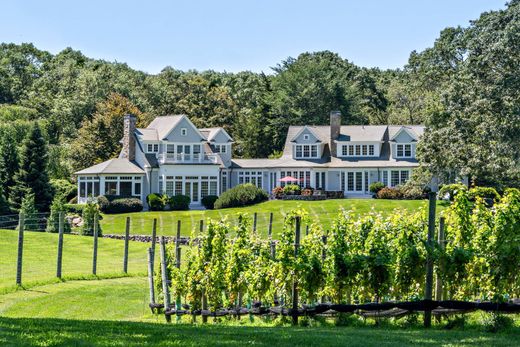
(335, 125)
(128, 137)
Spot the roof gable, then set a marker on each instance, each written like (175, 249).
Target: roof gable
(404, 134)
(306, 130)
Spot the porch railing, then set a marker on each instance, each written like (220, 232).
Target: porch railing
(196, 158)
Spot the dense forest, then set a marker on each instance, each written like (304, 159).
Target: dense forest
(465, 89)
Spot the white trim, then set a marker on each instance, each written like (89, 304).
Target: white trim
(301, 131)
(413, 136)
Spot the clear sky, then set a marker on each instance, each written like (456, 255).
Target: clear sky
(235, 35)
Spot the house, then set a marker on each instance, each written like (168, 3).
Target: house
(172, 156)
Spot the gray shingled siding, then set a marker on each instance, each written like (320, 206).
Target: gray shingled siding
(191, 136)
(301, 138)
(403, 137)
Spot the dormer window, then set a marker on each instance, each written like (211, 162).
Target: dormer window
(152, 148)
(404, 150)
(184, 131)
(220, 148)
(358, 150)
(306, 151)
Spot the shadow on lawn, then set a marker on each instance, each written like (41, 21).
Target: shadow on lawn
(62, 332)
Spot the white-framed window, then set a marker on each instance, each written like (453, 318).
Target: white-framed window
(152, 147)
(220, 148)
(306, 151)
(253, 177)
(184, 131)
(306, 136)
(303, 177)
(371, 150)
(403, 150)
(344, 150)
(351, 150)
(397, 177)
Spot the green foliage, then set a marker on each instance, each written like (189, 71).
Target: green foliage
(90, 215)
(291, 189)
(30, 213)
(156, 202)
(389, 193)
(241, 195)
(450, 191)
(74, 208)
(376, 187)
(53, 221)
(63, 189)
(4, 205)
(122, 205)
(179, 203)
(209, 201)
(32, 176)
(484, 193)
(9, 162)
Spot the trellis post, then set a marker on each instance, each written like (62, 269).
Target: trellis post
(127, 237)
(270, 230)
(60, 244)
(165, 280)
(204, 298)
(432, 196)
(201, 226)
(439, 292)
(323, 256)
(254, 222)
(94, 251)
(295, 281)
(21, 226)
(154, 239)
(178, 261)
(150, 279)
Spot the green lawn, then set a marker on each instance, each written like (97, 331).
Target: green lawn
(113, 312)
(322, 211)
(39, 258)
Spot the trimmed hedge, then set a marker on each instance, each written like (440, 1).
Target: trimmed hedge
(389, 193)
(124, 205)
(292, 189)
(484, 193)
(376, 187)
(179, 203)
(241, 195)
(156, 202)
(209, 201)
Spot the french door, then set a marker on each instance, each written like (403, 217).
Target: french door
(191, 189)
(356, 181)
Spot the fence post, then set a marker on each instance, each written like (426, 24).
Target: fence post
(442, 244)
(270, 230)
(295, 280)
(432, 196)
(127, 237)
(165, 280)
(178, 246)
(254, 222)
(306, 230)
(94, 252)
(204, 298)
(60, 244)
(21, 225)
(323, 256)
(150, 279)
(154, 239)
(201, 226)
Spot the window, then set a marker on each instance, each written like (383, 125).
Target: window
(371, 150)
(184, 131)
(344, 150)
(394, 178)
(359, 181)
(358, 150)
(385, 178)
(342, 181)
(152, 147)
(306, 151)
(178, 187)
(170, 148)
(253, 177)
(350, 181)
(125, 188)
(137, 188)
(306, 136)
(364, 150)
(220, 148)
(404, 150)
(298, 151)
(110, 188)
(314, 151)
(404, 176)
(351, 150)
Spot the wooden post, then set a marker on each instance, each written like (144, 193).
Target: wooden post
(439, 292)
(295, 280)
(150, 278)
(306, 230)
(21, 225)
(323, 256)
(94, 252)
(204, 306)
(270, 230)
(178, 246)
(165, 279)
(201, 226)
(429, 260)
(60, 244)
(154, 241)
(127, 237)
(254, 222)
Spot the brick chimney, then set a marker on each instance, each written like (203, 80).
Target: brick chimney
(335, 124)
(128, 136)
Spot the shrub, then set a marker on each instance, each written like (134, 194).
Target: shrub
(307, 191)
(448, 191)
(74, 208)
(124, 205)
(292, 189)
(156, 202)
(277, 192)
(389, 193)
(241, 195)
(74, 200)
(89, 211)
(179, 203)
(411, 192)
(30, 213)
(53, 223)
(209, 201)
(484, 193)
(376, 187)
(64, 189)
(103, 203)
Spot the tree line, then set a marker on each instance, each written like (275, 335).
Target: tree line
(464, 89)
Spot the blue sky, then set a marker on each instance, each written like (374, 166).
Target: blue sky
(235, 35)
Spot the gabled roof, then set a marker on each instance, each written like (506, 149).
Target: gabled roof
(113, 166)
(211, 133)
(367, 133)
(306, 127)
(165, 124)
(415, 131)
(147, 134)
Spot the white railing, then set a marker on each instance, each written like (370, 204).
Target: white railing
(175, 158)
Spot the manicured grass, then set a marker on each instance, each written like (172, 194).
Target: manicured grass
(114, 313)
(322, 211)
(40, 251)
